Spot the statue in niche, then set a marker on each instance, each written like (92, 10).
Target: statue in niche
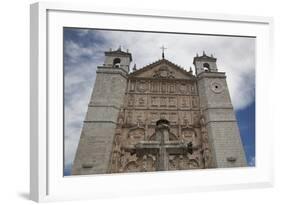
(154, 87)
(130, 101)
(141, 101)
(182, 88)
(196, 119)
(181, 163)
(172, 88)
(192, 89)
(163, 101)
(207, 158)
(205, 143)
(148, 163)
(116, 154)
(120, 120)
(173, 165)
(139, 120)
(184, 102)
(172, 102)
(163, 87)
(194, 102)
(129, 118)
(154, 101)
(185, 120)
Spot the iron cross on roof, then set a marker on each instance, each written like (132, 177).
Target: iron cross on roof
(163, 49)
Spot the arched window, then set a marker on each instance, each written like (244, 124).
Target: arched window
(206, 67)
(116, 62)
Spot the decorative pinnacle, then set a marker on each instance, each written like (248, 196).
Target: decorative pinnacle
(135, 67)
(163, 49)
(204, 54)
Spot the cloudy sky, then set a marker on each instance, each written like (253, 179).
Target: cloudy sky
(84, 51)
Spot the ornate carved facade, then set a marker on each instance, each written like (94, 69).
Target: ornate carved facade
(161, 91)
(160, 117)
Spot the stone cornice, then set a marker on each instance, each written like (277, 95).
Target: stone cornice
(211, 75)
(110, 70)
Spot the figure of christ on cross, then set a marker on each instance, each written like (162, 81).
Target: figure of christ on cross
(162, 147)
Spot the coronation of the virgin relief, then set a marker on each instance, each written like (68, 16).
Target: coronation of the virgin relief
(157, 118)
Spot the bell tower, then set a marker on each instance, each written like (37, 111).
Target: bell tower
(205, 63)
(118, 59)
(217, 109)
(94, 149)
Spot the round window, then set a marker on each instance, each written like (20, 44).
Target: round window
(216, 87)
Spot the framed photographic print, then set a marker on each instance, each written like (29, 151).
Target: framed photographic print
(128, 102)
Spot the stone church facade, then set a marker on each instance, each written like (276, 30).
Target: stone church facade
(158, 118)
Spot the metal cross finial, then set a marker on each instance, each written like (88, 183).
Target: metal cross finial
(163, 49)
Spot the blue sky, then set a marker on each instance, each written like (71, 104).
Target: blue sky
(84, 51)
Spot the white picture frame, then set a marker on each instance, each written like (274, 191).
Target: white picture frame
(46, 141)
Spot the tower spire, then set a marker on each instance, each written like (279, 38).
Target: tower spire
(163, 49)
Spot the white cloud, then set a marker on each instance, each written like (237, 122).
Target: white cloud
(235, 56)
(252, 161)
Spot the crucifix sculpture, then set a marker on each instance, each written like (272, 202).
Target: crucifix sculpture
(162, 147)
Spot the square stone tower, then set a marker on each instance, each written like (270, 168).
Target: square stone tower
(93, 153)
(217, 109)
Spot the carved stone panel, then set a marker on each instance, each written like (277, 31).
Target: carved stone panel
(185, 102)
(141, 101)
(193, 89)
(172, 101)
(154, 101)
(185, 117)
(164, 115)
(188, 135)
(129, 117)
(182, 88)
(195, 102)
(135, 135)
(196, 117)
(163, 87)
(130, 100)
(139, 117)
(163, 101)
(172, 88)
(154, 116)
(173, 117)
(154, 87)
(142, 86)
